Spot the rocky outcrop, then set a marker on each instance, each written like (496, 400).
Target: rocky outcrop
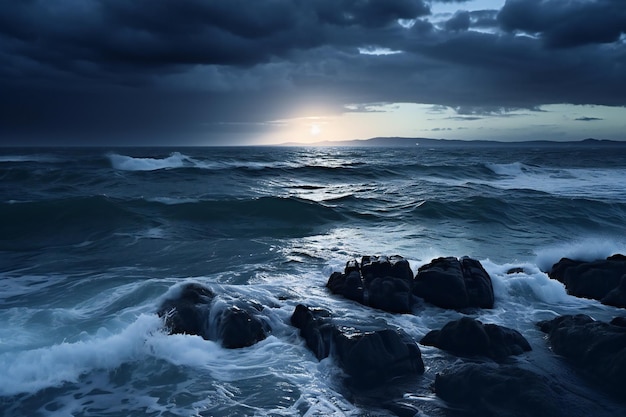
(597, 348)
(368, 357)
(196, 310)
(603, 280)
(469, 337)
(490, 390)
(378, 281)
(387, 283)
(455, 284)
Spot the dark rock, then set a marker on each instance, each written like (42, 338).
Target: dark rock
(195, 312)
(601, 280)
(619, 321)
(596, 348)
(450, 283)
(378, 281)
(188, 313)
(315, 328)
(368, 357)
(498, 391)
(516, 270)
(348, 284)
(239, 328)
(617, 296)
(372, 357)
(469, 337)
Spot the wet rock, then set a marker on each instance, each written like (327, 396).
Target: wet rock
(239, 327)
(619, 321)
(455, 284)
(515, 270)
(378, 281)
(188, 312)
(315, 328)
(603, 280)
(498, 391)
(597, 348)
(469, 337)
(196, 311)
(369, 357)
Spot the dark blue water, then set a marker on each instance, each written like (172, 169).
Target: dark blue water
(92, 240)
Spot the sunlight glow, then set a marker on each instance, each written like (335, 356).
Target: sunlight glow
(315, 130)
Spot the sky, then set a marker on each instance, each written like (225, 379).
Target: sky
(236, 72)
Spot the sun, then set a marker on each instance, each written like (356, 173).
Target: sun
(315, 130)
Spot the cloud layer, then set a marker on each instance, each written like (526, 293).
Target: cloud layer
(161, 66)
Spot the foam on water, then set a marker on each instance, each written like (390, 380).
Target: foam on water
(128, 163)
(586, 249)
(33, 370)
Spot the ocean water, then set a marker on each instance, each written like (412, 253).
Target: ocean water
(93, 240)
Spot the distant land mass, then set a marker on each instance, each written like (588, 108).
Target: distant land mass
(434, 143)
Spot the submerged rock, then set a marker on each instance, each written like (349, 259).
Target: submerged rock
(498, 391)
(453, 283)
(603, 280)
(597, 348)
(378, 281)
(196, 311)
(469, 337)
(369, 357)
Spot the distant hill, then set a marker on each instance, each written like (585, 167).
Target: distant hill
(435, 143)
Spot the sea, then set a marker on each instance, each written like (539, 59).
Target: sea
(93, 240)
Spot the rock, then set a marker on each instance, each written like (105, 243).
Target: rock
(617, 296)
(597, 348)
(619, 321)
(239, 328)
(195, 311)
(188, 313)
(372, 357)
(498, 391)
(378, 281)
(315, 329)
(515, 270)
(602, 280)
(456, 284)
(368, 357)
(469, 337)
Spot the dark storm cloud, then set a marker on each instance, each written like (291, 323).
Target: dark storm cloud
(564, 24)
(588, 119)
(200, 67)
(460, 21)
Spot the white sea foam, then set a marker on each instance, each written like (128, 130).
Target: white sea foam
(32, 370)
(512, 169)
(128, 163)
(570, 182)
(589, 249)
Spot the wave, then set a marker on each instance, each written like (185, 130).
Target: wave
(63, 221)
(29, 158)
(33, 370)
(129, 163)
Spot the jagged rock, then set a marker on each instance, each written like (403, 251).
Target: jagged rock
(378, 281)
(456, 284)
(188, 312)
(597, 348)
(469, 337)
(498, 391)
(195, 311)
(367, 357)
(603, 280)
(239, 328)
(315, 328)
